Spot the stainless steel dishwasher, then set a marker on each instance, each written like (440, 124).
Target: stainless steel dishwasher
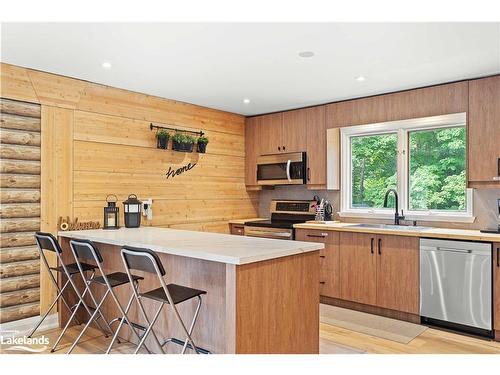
(456, 285)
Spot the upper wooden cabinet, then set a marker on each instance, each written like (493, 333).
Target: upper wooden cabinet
(380, 270)
(316, 146)
(484, 132)
(283, 132)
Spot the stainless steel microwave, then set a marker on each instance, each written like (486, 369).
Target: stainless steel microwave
(282, 169)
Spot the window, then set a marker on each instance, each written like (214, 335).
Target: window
(423, 159)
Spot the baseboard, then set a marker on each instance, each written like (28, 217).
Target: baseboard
(24, 326)
(408, 317)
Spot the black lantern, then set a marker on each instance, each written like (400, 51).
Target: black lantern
(132, 210)
(111, 213)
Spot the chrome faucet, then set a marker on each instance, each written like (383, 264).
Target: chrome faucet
(397, 216)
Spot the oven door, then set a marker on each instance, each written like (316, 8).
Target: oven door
(266, 232)
(282, 169)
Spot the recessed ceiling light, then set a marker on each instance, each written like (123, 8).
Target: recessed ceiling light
(360, 78)
(106, 65)
(246, 101)
(306, 54)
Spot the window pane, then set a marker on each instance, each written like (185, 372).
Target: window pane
(437, 169)
(374, 169)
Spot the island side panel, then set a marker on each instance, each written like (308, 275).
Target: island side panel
(277, 305)
(210, 328)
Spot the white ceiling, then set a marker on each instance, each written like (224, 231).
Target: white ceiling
(217, 65)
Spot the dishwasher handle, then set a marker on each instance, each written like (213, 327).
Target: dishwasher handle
(451, 249)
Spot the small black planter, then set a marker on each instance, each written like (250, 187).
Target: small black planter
(162, 143)
(182, 147)
(202, 148)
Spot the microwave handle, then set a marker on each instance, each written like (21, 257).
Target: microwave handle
(288, 170)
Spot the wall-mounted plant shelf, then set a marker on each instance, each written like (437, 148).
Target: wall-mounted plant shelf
(198, 133)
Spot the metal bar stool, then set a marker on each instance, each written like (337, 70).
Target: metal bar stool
(86, 250)
(172, 294)
(46, 241)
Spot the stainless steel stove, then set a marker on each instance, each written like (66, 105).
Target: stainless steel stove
(284, 214)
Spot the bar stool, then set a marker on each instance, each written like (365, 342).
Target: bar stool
(86, 250)
(172, 294)
(46, 241)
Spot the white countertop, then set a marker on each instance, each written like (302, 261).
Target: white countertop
(224, 248)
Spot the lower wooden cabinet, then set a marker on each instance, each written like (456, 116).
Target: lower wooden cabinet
(380, 270)
(329, 276)
(496, 288)
(237, 229)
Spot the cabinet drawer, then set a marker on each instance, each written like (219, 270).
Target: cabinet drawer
(316, 235)
(237, 229)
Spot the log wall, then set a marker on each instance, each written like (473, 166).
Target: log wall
(19, 209)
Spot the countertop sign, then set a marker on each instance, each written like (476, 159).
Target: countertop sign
(175, 172)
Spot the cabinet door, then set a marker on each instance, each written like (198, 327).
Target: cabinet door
(294, 131)
(358, 267)
(398, 286)
(252, 136)
(316, 146)
(329, 275)
(271, 133)
(496, 287)
(484, 130)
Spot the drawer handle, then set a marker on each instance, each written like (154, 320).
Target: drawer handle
(322, 256)
(322, 282)
(322, 235)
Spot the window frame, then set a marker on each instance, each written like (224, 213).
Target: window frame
(402, 128)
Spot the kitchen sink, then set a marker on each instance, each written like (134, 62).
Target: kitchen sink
(389, 226)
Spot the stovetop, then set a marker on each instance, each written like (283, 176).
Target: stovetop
(285, 224)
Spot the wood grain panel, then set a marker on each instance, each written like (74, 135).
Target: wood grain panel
(95, 127)
(16, 84)
(428, 101)
(8, 314)
(19, 195)
(17, 239)
(16, 254)
(270, 133)
(19, 108)
(102, 157)
(55, 90)
(20, 225)
(8, 121)
(19, 297)
(278, 319)
(19, 282)
(484, 131)
(358, 268)
(16, 137)
(20, 167)
(398, 273)
(316, 146)
(19, 210)
(25, 267)
(117, 102)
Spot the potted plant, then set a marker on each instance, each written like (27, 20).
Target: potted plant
(188, 143)
(162, 139)
(177, 141)
(202, 144)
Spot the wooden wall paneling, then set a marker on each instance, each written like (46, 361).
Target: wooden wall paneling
(484, 132)
(19, 211)
(262, 311)
(55, 90)
(57, 181)
(15, 84)
(113, 101)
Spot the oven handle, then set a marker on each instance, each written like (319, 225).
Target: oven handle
(288, 170)
(254, 233)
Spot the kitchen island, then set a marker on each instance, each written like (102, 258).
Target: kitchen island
(262, 294)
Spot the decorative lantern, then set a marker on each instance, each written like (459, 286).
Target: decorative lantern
(132, 211)
(111, 213)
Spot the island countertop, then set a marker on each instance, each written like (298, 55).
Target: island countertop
(215, 247)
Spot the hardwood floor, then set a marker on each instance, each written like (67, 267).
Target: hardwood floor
(333, 340)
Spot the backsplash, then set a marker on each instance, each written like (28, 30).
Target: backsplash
(485, 205)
